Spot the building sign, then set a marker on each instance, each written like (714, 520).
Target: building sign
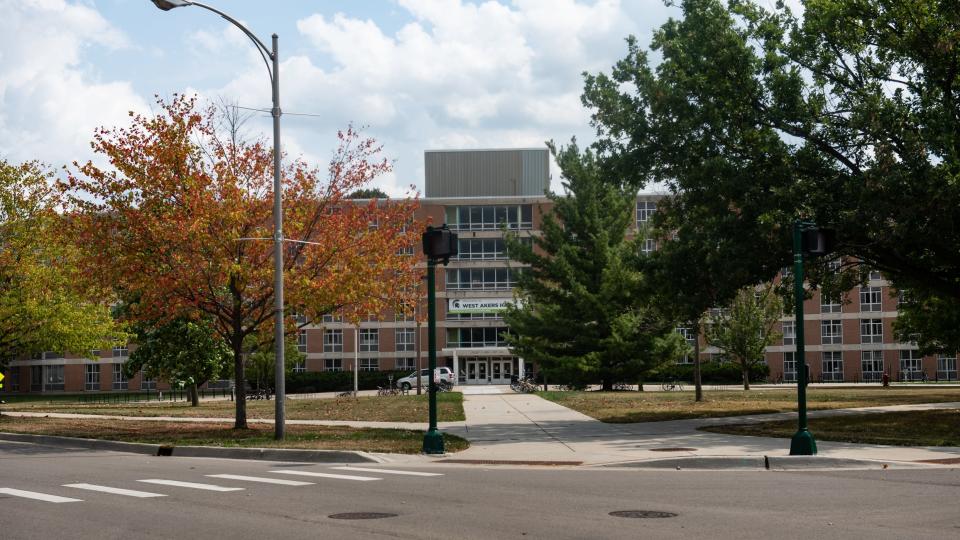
(478, 305)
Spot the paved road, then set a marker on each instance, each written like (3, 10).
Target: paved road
(56, 493)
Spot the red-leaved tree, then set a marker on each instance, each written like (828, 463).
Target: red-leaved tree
(182, 221)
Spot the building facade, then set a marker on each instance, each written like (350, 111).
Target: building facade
(479, 194)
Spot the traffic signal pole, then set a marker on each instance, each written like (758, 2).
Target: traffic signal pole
(802, 443)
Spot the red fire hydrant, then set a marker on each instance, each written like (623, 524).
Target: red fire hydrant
(886, 380)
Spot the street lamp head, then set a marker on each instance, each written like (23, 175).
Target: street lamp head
(167, 5)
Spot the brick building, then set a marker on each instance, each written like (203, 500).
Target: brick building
(474, 192)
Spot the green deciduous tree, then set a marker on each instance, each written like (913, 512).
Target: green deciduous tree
(261, 362)
(746, 328)
(181, 351)
(846, 115)
(46, 304)
(583, 315)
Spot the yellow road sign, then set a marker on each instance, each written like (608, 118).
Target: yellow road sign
(1, 379)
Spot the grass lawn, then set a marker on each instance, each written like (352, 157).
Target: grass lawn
(258, 436)
(629, 407)
(410, 408)
(902, 428)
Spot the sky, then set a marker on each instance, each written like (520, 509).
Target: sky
(414, 74)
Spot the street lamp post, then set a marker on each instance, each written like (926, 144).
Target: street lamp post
(271, 58)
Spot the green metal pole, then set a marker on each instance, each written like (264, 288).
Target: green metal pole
(433, 440)
(802, 443)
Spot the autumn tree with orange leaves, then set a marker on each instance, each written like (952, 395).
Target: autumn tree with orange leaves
(182, 222)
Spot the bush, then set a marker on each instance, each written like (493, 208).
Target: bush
(339, 381)
(711, 373)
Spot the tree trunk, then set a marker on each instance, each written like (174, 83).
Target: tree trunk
(194, 395)
(607, 384)
(240, 383)
(746, 377)
(697, 382)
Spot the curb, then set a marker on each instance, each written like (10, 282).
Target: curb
(265, 454)
(765, 463)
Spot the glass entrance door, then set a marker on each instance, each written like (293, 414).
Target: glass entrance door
(481, 371)
(502, 370)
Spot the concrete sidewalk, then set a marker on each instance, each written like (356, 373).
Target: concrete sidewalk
(525, 427)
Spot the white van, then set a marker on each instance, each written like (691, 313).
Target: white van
(410, 381)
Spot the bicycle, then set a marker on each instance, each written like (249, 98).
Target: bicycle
(671, 386)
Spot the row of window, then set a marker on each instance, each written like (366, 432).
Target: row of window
(871, 299)
(831, 331)
(490, 217)
(369, 340)
(368, 364)
(47, 378)
(482, 278)
(118, 352)
(485, 249)
(872, 366)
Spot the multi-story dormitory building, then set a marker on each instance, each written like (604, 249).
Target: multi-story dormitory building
(475, 192)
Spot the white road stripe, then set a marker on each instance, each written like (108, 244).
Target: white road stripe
(38, 496)
(261, 479)
(328, 475)
(116, 491)
(177, 483)
(387, 471)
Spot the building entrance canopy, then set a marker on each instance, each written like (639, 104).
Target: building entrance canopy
(485, 365)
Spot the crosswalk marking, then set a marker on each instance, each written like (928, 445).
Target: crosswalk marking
(37, 496)
(261, 479)
(116, 491)
(177, 483)
(387, 471)
(328, 475)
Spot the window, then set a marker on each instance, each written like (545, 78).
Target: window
(300, 318)
(91, 377)
(403, 313)
(490, 218)
(13, 379)
(871, 365)
(870, 299)
(119, 381)
(52, 355)
(147, 383)
(369, 364)
(489, 249)
(333, 341)
(789, 367)
(300, 366)
(53, 377)
(476, 337)
(690, 337)
(121, 352)
(474, 316)
(406, 363)
(911, 365)
(481, 278)
(875, 275)
(871, 331)
(36, 378)
(332, 364)
(829, 303)
(645, 210)
(831, 332)
(648, 246)
(369, 340)
(789, 332)
(832, 366)
(834, 266)
(405, 339)
(786, 272)
(331, 318)
(302, 341)
(405, 250)
(946, 367)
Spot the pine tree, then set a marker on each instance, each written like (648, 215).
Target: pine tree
(582, 314)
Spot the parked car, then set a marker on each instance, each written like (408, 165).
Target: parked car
(410, 381)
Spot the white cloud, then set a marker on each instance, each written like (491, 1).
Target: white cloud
(50, 102)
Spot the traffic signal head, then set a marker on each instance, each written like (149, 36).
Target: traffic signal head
(439, 244)
(819, 242)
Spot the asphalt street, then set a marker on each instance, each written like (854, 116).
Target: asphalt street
(49, 492)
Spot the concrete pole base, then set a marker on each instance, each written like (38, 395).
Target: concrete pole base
(433, 442)
(803, 444)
